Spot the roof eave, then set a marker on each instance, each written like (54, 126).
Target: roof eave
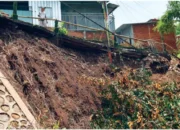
(112, 6)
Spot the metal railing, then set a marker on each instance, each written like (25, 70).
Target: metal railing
(72, 24)
(141, 41)
(73, 18)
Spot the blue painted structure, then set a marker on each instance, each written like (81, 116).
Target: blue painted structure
(91, 9)
(127, 30)
(53, 10)
(56, 10)
(21, 13)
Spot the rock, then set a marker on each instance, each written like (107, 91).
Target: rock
(1, 100)
(15, 116)
(9, 98)
(16, 108)
(4, 117)
(5, 108)
(157, 63)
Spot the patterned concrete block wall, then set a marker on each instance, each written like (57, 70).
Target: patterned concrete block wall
(11, 110)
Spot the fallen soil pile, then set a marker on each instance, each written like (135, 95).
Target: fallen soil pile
(60, 85)
(52, 80)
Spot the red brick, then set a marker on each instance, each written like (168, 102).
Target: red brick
(90, 35)
(145, 31)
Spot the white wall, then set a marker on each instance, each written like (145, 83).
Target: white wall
(53, 10)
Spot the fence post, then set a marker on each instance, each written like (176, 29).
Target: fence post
(162, 40)
(15, 16)
(115, 42)
(56, 27)
(130, 41)
(104, 7)
(84, 33)
(56, 31)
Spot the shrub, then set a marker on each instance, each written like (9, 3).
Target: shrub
(138, 103)
(62, 29)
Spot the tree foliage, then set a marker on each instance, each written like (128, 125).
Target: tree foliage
(170, 17)
(62, 29)
(59, 28)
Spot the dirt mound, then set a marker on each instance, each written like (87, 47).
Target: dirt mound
(59, 84)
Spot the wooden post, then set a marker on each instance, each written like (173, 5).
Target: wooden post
(56, 27)
(115, 42)
(56, 31)
(93, 35)
(130, 41)
(162, 40)
(104, 6)
(15, 16)
(84, 33)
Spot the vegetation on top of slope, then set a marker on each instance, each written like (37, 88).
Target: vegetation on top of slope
(171, 16)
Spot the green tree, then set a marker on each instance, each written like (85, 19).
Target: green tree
(167, 22)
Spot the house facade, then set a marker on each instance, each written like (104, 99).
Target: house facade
(58, 10)
(146, 31)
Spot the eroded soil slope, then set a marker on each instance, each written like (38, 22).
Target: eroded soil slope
(52, 80)
(60, 85)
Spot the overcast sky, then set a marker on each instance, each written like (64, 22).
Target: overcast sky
(132, 11)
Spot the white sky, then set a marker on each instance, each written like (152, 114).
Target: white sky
(133, 11)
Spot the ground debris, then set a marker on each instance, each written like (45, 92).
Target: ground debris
(157, 63)
(47, 77)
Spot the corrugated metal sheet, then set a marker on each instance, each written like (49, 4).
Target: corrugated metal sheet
(53, 10)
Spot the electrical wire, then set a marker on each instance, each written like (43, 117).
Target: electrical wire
(124, 11)
(137, 3)
(129, 10)
(126, 14)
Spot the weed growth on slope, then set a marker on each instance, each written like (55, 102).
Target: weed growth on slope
(136, 102)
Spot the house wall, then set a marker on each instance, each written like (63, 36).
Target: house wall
(178, 41)
(53, 10)
(22, 9)
(92, 10)
(145, 31)
(91, 35)
(127, 31)
(83, 7)
(20, 13)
